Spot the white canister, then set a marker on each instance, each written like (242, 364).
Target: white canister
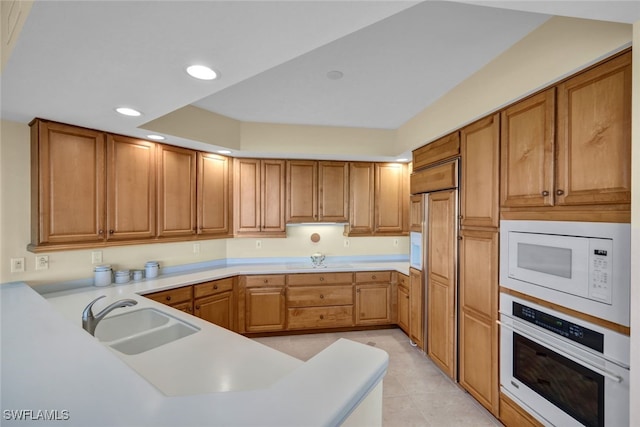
(102, 275)
(151, 269)
(122, 276)
(137, 275)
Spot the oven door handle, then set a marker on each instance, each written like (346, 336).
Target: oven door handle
(566, 354)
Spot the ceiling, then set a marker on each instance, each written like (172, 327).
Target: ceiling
(76, 62)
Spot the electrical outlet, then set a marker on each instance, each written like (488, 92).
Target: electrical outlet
(196, 248)
(395, 243)
(258, 244)
(96, 257)
(346, 243)
(17, 265)
(42, 262)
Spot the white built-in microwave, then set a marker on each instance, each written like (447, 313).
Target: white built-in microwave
(584, 266)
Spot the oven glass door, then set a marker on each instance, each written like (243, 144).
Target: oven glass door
(576, 390)
(552, 261)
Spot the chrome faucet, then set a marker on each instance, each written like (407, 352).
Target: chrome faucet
(89, 321)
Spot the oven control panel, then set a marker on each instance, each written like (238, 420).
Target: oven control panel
(600, 270)
(569, 330)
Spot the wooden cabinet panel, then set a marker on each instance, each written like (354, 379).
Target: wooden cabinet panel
(373, 276)
(305, 296)
(361, 198)
(218, 309)
(213, 206)
(480, 170)
(436, 151)
(403, 308)
(172, 296)
(131, 188)
(527, 152)
(265, 280)
(265, 309)
(373, 304)
(479, 271)
(176, 191)
(272, 207)
(594, 135)
(319, 278)
(436, 178)
(391, 198)
(416, 306)
(320, 317)
(511, 415)
(213, 287)
(67, 184)
(416, 211)
(302, 191)
(333, 191)
(441, 283)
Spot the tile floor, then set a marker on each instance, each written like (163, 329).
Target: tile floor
(415, 391)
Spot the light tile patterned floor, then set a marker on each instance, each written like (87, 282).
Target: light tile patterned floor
(416, 392)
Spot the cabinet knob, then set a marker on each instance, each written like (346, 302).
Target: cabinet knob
(197, 307)
(545, 193)
(459, 237)
(460, 216)
(101, 231)
(559, 192)
(407, 297)
(168, 298)
(321, 296)
(266, 280)
(322, 317)
(215, 287)
(110, 231)
(322, 279)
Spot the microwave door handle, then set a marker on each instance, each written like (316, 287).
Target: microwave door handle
(566, 354)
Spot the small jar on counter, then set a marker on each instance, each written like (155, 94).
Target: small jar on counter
(151, 269)
(102, 275)
(137, 275)
(122, 276)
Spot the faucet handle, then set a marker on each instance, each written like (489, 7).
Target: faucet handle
(87, 312)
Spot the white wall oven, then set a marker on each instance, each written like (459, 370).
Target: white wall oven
(583, 266)
(562, 370)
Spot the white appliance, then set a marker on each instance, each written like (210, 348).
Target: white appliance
(564, 371)
(415, 250)
(584, 266)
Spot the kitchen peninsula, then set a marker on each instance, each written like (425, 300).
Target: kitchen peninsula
(213, 377)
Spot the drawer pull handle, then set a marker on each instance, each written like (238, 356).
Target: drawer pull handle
(266, 280)
(215, 286)
(322, 317)
(168, 298)
(373, 277)
(321, 296)
(197, 307)
(322, 279)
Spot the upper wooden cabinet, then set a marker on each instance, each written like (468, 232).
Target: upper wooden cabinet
(594, 135)
(441, 149)
(317, 191)
(480, 149)
(259, 197)
(416, 213)
(131, 188)
(527, 151)
(176, 191)
(214, 195)
(67, 184)
(391, 198)
(361, 198)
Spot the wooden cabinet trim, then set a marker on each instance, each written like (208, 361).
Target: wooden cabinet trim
(319, 278)
(436, 151)
(213, 287)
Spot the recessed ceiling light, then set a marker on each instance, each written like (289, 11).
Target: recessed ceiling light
(126, 111)
(156, 137)
(224, 151)
(335, 75)
(202, 72)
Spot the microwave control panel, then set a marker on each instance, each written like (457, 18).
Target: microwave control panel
(600, 270)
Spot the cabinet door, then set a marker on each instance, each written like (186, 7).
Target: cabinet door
(247, 195)
(333, 191)
(391, 198)
(373, 304)
(265, 309)
(273, 197)
(213, 195)
(68, 184)
(594, 135)
(131, 188)
(478, 356)
(176, 191)
(403, 309)
(441, 283)
(416, 306)
(361, 198)
(527, 149)
(416, 212)
(218, 309)
(480, 170)
(302, 191)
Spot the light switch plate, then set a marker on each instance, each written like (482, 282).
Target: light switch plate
(42, 262)
(17, 265)
(96, 257)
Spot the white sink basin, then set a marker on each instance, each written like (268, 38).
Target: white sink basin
(129, 324)
(154, 339)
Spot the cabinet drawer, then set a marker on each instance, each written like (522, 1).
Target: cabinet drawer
(172, 296)
(319, 278)
(320, 317)
(403, 280)
(440, 149)
(435, 178)
(319, 296)
(265, 280)
(373, 276)
(212, 288)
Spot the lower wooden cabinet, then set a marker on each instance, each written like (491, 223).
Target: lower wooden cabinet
(403, 302)
(373, 298)
(512, 415)
(215, 302)
(264, 303)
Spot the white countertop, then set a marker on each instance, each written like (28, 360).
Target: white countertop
(213, 377)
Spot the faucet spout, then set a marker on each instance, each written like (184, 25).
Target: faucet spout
(90, 321)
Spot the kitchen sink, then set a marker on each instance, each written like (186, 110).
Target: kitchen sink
(154, 339)
(141, 330)
(131, 323)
